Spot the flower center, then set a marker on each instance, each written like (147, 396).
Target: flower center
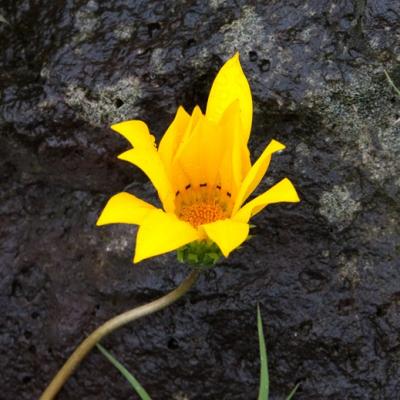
(202, 205)
(201, 213)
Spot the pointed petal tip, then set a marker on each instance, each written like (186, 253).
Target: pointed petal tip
(124, 208)
(114, 127)
(123, 156)
(256, 173)
(127, 155)
(225, 253)
(137, 259)
(119, 126)
(128, 122)
(277, 146)
(234, 62)
(181, 109)
(230, 84)
(296, 197)
(281, 192)
(99, 222)
(102, 220)
(197, 110)
(292, 190)
(228, 234)
(151, 238)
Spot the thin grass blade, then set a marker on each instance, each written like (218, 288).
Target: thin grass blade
(129, 377)
(391, 83)
(293, 392)
(263, 392)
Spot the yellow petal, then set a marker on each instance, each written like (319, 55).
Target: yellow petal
(282, 192)
(256, 173)
(227, 234)
(178, 176)
(190, 128)
(229, 85)
(246, 163)
(148, 160)
(173, 136)
(201, 155)
(124, 208)
(235, 159)
(160, 233)
(136, 132)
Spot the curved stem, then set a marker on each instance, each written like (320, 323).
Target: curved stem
(114, 323)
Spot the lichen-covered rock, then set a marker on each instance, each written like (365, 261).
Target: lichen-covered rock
(326, 272)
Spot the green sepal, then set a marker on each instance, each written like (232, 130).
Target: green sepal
(200, 255)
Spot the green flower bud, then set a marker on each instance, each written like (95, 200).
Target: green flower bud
(199, 255)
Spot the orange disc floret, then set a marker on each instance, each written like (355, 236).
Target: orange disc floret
(200, 213)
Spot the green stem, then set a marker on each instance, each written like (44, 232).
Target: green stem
(391, 82)
(111, 325)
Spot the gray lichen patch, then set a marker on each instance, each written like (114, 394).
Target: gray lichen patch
(119, 244)
(160, 61)
(105, 104)
(157, 60)
(124, 32)
(349, 269)
(363, 115)
(214, 4)
(338, 206)
(245, 33)
(380, 150)
(86, 20)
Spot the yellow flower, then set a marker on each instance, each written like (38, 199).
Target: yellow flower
(201, 171)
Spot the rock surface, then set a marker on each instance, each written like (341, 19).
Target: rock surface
(326, 272)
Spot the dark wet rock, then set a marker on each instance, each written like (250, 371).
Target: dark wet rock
(326, 272)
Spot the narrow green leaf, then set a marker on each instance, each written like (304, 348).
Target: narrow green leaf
(129, 377)
(263, 392)
(391, 83)
(293, 392)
